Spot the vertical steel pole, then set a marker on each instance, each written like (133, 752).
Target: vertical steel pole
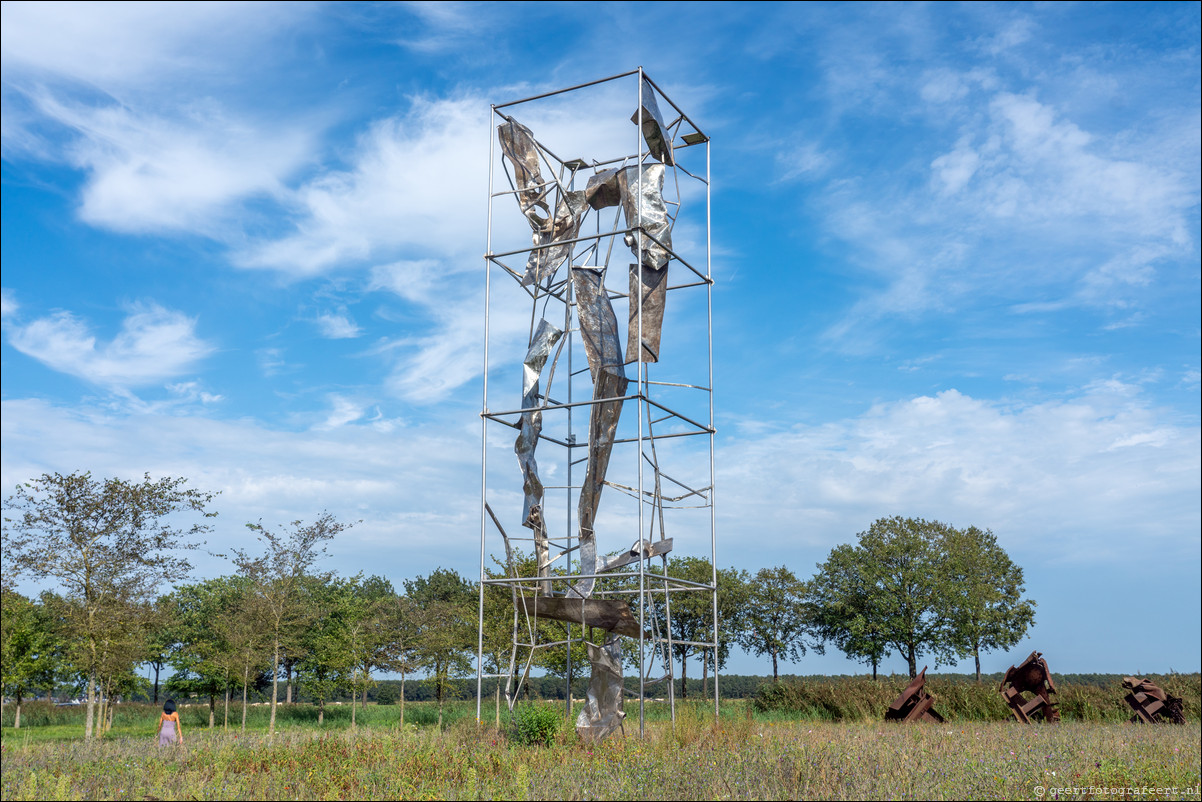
(709, 292)
(484, 431)
(641, 396)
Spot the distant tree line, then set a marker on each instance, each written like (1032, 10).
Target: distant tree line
(279, 622)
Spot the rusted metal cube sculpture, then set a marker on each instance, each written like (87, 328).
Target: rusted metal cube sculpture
(1151, 704)
(1032, 676)
(914, 703)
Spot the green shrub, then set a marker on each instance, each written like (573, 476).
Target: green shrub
(535, 724)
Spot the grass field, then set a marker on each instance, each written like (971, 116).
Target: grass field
(744, 756)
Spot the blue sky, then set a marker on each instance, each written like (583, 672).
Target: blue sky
(956, 252)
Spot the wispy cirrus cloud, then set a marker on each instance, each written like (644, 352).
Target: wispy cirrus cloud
(1024, 203)
(154, 344)
(187, 173)
(120, 47)
(120, 91)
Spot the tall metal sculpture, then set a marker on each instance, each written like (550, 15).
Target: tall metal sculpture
(598, 592)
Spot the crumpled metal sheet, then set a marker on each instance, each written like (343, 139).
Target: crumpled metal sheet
(602, 713)
(621, 185)
(546, 335)
(517, 144)
(605, 188)
(655, 133)
(642, 550)
(519, 147)
(599, 331)
(643, 205)
(565, 225)
(652, 284)
(613, 615)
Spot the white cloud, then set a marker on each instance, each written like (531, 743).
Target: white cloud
(337, 327)
(8, 304)
(154, 344)
(343, 411)
(192, 391)
(805, 160)
(413, 489)
(447, 26)
(416, 181)
(118, 90)
(1028, 205)
(149, 173)
(1047, 170)
(114, 46)
(956, 169)
(1015, 33)
(1100, 476)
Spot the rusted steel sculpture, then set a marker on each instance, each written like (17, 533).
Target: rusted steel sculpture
(563, 272)
(1033, 677)
(1151, 704)
(914, 703)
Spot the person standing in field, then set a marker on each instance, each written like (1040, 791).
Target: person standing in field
(169, 729)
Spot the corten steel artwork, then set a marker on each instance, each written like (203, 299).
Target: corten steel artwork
(1151, 704)
(914, 703)
(596, 343)
(1033, 677)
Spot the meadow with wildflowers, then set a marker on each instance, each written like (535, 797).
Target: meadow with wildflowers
(741, 756)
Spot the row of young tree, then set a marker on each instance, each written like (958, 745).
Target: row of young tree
(908, 587)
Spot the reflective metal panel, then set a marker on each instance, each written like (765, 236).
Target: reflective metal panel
(652, 285)
(643, 204)
(545, 338)
(599, 332)
(517, 144)
(613, 615)
(565, 225)
(655, 133)
(602, 713)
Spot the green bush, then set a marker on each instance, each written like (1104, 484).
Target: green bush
(535, 724)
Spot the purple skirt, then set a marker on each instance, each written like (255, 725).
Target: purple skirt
(167, 734)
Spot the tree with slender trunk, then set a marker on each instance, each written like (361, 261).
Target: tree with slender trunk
(774, 619)
(108, 543)
(277, 577)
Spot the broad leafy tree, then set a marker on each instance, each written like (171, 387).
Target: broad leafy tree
(986, 607)
(897, 577)
(108, 543)
(328, 657)
(842, 608)
(774, 617)
(30, 649)
(200, 624)
(446, 606)
(372, 632)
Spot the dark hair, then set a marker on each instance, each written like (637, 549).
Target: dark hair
(169, 706)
